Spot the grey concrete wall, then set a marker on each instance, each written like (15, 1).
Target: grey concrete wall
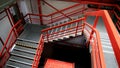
(4, 29)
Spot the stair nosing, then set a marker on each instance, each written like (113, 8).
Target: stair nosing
(24, 51)
(21, 62)
(26, 57)
(12, 66)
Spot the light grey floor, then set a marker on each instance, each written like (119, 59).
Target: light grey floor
(108, 52)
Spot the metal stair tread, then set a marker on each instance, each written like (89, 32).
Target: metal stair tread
(18, 64)
(105, 40)
(8, 65)
(24, 48)
(27, 46)
(26, 40)
(24, 51)
(22, 56)
(21, 59)
(110, 60)
(105, 43)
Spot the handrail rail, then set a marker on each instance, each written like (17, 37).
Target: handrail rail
(10, 35)
(98, 43)
(63, 24)
(13, 34)
(99, 56)
(83, 2)
(54, 19)
(38, 52)
(111, 30)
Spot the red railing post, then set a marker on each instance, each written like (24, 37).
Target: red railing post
(30, 18)
(77, 28)
(47, 36)
(96, 21)
(51, 19)
(40, 11)
(92, 32)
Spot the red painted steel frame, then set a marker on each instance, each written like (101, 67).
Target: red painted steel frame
(97, 54)
(82, 2)
(111, 29)
(38, 52)
(9, 43)
(113, 34)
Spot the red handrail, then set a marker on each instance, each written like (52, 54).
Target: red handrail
(111, 30)
(54, 19)
(13, 34)
(38, 52)
(96, 45)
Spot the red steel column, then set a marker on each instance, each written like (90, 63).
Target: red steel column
(40, 12)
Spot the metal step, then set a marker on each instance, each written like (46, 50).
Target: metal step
(26, 44)
(22, 53)
(22, 59)
(22, 56)
(11, 66)
(15, 63)
(25, 51)
(25, 48)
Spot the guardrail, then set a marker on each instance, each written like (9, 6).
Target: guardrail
(38, 52)
(95, 43)
(111, 30)
(96, 49)
(12, 36)
(63, 32)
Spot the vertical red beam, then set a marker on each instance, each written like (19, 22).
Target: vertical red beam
(96, 21)
(94, 25)
(40, 12)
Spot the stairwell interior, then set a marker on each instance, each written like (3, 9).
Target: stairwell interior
(81, 35)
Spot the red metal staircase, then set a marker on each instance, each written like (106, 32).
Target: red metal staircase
(59, 30)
